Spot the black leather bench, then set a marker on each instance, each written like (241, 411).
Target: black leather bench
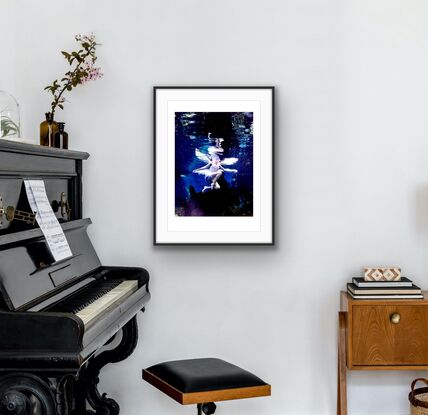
(204, 381)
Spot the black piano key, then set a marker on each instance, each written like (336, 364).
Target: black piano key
(85, 297)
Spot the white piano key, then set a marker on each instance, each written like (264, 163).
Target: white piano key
(99, 306)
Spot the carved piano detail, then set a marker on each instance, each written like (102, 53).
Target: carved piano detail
(65, 206)
(54, 316)
(10, 214)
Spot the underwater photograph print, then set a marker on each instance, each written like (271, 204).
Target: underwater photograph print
(214, 164)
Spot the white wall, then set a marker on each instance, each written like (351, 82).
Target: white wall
(7, 45)
(352, 177)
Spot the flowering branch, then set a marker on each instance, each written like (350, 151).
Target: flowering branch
(84, 71)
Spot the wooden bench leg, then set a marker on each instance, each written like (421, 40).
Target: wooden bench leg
(341, 366)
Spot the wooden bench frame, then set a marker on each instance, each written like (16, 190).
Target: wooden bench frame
(207, 396)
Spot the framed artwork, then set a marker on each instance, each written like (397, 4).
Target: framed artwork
(213, 166)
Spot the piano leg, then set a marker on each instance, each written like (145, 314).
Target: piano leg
(89, 375)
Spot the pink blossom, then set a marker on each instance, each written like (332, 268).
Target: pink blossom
(92, 73)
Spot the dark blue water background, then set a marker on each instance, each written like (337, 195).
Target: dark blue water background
(235, 196)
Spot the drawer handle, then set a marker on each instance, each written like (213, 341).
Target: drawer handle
(395, 318)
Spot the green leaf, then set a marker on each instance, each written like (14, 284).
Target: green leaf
(8, 127)
(77, 56)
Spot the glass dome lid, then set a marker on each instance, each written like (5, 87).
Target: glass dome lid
(10, 123)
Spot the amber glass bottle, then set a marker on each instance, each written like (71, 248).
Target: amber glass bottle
(48, 128)
(61, 137)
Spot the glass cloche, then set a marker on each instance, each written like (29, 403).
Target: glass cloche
(10, 123)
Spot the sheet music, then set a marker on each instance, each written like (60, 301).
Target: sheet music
(45, 217)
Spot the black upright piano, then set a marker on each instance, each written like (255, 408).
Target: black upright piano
(59, 320)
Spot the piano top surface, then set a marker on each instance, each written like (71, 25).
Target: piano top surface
(34, 149)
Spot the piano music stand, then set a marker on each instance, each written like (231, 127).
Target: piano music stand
(203, 381)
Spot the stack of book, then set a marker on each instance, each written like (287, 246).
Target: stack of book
(402, 289)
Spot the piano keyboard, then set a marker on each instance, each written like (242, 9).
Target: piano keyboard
(91, 302)
(114, 296)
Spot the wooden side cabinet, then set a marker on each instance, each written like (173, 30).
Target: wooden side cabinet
(380, 335)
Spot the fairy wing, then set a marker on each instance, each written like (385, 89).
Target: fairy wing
(228, 161)
(201, 156)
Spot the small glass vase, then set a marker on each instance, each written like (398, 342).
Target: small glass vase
(48, 128)
(10, 122)
(61, 137)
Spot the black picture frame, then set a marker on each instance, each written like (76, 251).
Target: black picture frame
(264, 136)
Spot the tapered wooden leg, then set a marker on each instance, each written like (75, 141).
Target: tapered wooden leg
(341, 366)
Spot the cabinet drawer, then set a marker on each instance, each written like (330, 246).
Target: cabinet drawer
(377, 341)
